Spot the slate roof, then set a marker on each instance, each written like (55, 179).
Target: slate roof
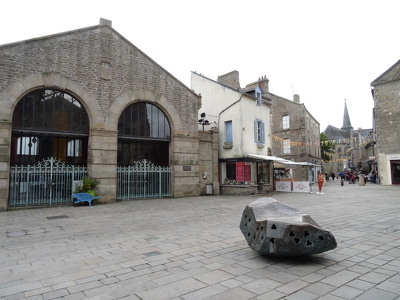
(334, 133)
(346, 118)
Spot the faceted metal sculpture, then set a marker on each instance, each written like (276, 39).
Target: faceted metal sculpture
(272, 227)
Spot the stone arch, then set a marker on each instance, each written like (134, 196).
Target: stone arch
(14, 92)
(129, 97)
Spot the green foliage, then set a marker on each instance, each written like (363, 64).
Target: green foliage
(327, 147)
(88, 186)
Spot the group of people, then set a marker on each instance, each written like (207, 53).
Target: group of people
(351, 177)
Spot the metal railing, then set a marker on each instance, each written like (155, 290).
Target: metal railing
(143, 180)
(50, 182)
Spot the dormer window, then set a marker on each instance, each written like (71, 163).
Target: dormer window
(259, 98)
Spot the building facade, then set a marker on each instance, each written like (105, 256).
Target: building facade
(243, 122)
(295, 136)
(90, 97)
(351, 151)
(386, 95)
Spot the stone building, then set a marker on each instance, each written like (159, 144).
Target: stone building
(90, 97)
(350, 152)
(295, 135)
(386, 95)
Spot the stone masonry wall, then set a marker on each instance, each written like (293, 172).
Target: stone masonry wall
(387, 124)
(106, 73)
(208, 161)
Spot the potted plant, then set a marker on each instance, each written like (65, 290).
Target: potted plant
(88, 186)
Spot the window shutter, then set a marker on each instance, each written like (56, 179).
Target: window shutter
(262, 132)
(255, 130)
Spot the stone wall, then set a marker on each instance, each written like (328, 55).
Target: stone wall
(106, 73)
(303, 133)
(387, 124)
(208, 164)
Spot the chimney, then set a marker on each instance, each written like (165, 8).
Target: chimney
(296, 98)
(230, 79)
(105, 22)
(263, 82)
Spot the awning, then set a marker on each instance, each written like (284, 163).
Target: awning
(267, 157)
(280, 160)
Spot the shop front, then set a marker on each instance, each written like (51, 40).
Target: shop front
(245, 176)
(289, 176)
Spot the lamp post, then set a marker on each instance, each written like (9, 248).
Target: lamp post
(203, 120)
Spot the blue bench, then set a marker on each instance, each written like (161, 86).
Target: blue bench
(84, 197)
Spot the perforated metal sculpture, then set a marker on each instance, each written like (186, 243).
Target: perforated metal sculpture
(272, 227)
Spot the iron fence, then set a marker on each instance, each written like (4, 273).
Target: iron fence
(50, 182)
(143, 180)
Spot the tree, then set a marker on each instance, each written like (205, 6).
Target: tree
(327, 147)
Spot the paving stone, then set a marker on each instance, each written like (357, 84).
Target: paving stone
(301, 295)
(340, 278)
(260, 286)
(347, 292)
(236, 293)
(360, 284)
(55, 294)
(173, 289)
(374, 294)
(292, 286)
(271, 295)
(205, 293)
(319, 288)
(207, 255)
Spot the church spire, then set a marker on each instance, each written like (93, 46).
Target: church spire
(346, 118)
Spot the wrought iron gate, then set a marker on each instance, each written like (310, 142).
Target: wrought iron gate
(143, 180)
(49, 182)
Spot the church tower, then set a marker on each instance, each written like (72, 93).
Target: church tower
(347, 124)
(349, 129)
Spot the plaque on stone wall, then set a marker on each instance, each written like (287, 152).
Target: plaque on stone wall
(187, 168)
(106, 70)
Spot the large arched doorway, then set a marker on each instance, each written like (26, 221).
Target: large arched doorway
(49, 123)
(50, 131)
(144, 135)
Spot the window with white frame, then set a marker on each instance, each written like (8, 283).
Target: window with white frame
(286, 146)
(259, 131)
(286, 122)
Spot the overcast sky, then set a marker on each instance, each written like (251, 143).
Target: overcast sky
(325, 51)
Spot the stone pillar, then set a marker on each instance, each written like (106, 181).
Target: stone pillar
(185, 166)
(103, 162)
(208, 161)
(5, 144)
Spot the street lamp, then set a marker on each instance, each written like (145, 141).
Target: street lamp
(203, 120)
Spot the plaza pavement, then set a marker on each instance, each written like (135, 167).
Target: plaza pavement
(192, 248)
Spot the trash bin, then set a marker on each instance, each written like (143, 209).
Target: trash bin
(209, 188)
(361, 179)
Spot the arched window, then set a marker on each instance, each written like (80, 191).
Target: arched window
(143, 133)
(47, 123)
